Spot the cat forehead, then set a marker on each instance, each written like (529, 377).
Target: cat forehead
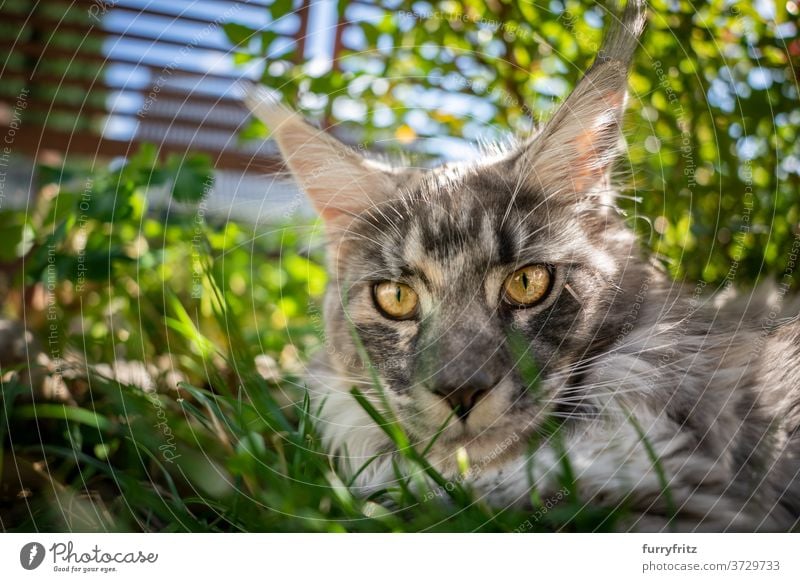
(449, 212)
(457, 224)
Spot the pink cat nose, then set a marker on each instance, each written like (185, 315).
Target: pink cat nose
(464, 397)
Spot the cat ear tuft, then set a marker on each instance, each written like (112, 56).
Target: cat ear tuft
(340, 182)
(578, 146)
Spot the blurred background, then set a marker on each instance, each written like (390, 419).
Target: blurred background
(160, 277)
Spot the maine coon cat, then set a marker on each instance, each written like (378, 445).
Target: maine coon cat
(434, 271)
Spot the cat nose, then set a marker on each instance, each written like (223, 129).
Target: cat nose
(463, 396)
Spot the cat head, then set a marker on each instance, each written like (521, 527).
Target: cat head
(434, 272)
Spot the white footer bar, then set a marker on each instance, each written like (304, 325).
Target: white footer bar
(400, 557)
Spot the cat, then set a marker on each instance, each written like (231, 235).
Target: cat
(681, 406)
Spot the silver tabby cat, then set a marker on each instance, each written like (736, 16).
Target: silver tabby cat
(435, 272)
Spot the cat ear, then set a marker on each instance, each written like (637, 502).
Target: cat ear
(340, 182)
(577, 147)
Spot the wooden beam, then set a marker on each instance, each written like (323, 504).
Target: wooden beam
(302, 33)
(91, 30)
(183, 123)
(37, 141)
(97, 84)
(83, 57)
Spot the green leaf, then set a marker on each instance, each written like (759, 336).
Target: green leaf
(281, 8)
(192, 177)
(238, 34)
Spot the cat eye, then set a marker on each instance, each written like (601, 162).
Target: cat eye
(527, 286)
(395, 300)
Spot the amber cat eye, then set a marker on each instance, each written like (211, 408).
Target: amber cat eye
(527, 286)
(395, 300)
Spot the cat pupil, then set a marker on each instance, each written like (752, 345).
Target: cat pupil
(525, 281)
(398, 293)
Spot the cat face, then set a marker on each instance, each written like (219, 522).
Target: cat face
(454, 258)
(434, 272)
